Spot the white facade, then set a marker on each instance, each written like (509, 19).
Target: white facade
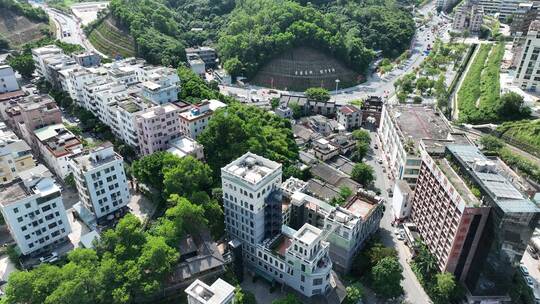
(528, 71)
(160, 84)
(8, 81)
(57, 145)
(33, 210)
(41, 54)
(297, 258)
(349, 116)
(194, 121)
(401, 200)
(220, 292)
(101, 180)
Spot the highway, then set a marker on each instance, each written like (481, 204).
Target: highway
(68, 28)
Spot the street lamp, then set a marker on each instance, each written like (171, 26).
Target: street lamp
(337, 85)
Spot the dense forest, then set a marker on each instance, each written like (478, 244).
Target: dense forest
(248, 33)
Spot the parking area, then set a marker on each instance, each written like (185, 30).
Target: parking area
(140, 205)
(531, 266)
(87, 12)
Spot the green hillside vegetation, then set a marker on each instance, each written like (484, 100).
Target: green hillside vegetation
(162, 29)
(21, 23)
(479, 96)
(111, 40)
(24, 9)
(251, 32)
(348, 31)
(525, 132)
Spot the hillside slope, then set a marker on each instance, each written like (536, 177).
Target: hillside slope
(18, 29)
(111, 40)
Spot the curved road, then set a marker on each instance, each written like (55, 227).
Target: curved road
(69, 24)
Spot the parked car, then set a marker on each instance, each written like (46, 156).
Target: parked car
(529, 281)
(524, 270)
(49, 258)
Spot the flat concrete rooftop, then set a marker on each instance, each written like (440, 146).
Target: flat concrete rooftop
(417, 122)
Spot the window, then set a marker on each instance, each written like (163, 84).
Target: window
(16, 210)
(20, 219)
(302, 278)
(317, 282)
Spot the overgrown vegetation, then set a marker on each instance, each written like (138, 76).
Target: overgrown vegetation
(441, 287)
(378, 267)
(238, 128)
(524, 134)
(252, 32)
(479, 99)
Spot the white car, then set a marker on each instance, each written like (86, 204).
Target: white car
(523, 270)
(52, 257)
(529, 281)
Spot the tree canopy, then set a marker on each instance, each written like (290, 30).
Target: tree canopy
(386, 275)
(237, 129)
(362, 173)
(258, 30)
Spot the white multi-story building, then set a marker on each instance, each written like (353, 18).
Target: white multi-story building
(194, 121)
(41, 54)
(57, 145)
(220, 292)
(528, 71)
(349, 116)
(15, 156)
(185, 146)
(468, 16)
(160, 84)
(101, 180)
(156, 127)
(401, 129)
(253, 217)
(8, 81)
(33, 210)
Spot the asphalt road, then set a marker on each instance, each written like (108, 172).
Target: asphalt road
(68, 28)
(414, 292)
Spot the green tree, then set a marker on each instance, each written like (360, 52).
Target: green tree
(274, 103)
(234, 66)
(378, 252)
(24, 64)
(362, 135)
(354, 294)
(237, 129)
(387, 276)
(318, 94)
(445, 286)
(186, 216)
(491, 143)
(187, 176)
(362, 149)
(362, 173)
(296, 110)
(244, 297)
(157, 257)
(511, 107)
(150, 169)
(289, 299)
